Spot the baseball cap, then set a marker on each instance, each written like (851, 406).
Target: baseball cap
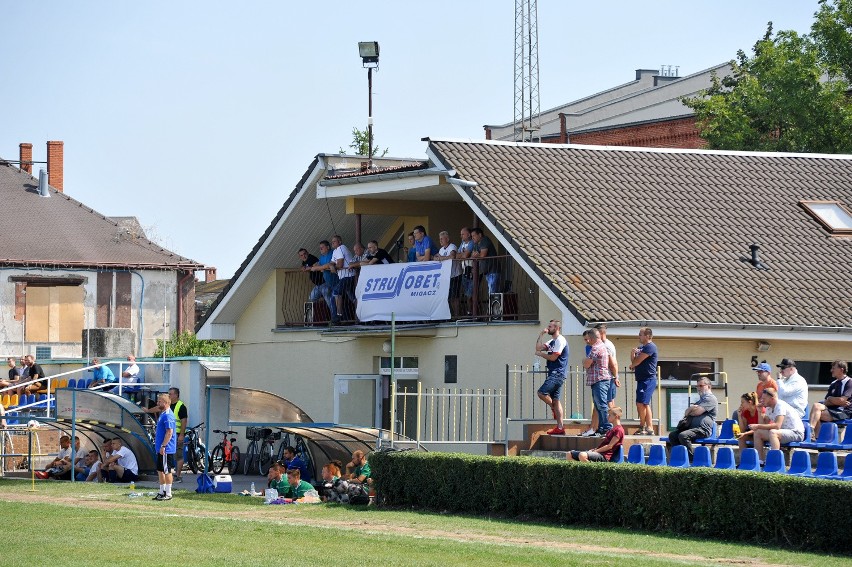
(763, 366)
(786, 363)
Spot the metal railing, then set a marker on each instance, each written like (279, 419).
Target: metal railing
(448, 415)
(505, 293)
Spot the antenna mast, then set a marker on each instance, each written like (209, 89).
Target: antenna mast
(527, 105)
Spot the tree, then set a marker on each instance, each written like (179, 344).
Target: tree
(360, 144)
(187, 344)
(832, 32)
(779, 99)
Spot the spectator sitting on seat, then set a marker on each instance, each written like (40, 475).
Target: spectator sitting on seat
(275, 477)
(699, 418)
(34, 372)
(102, 376)
(14, 376)
(64, 472)
(792, 386)
(358, 469)
(837, 404)
(610, 444)
(293, 461)
(764, 378)
(780, 423)
(131, 372)
(94, 467)
(748, 414)
(296, 487)
(83, 466)
(62, 459)
(121, 466)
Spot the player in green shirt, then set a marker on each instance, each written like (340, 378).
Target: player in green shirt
(276, 478)
(296, 487)
(358, 469)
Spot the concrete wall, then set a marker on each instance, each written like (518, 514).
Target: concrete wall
(153, 289)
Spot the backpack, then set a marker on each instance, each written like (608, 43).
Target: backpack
(205, 484)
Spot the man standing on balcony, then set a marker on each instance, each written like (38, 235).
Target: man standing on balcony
(482, 249)
(342, 258)
(555, 352)
(464, 252)
(424, 249)
(448, 253)
(598, 378)
(329, 274)
(321, 289)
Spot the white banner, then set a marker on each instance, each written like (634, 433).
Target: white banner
(416, 291)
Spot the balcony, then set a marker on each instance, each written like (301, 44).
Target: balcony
(513, 296)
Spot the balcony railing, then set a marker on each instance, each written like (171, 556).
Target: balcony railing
(492, 290)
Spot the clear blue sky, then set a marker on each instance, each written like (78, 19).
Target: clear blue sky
(199, 117)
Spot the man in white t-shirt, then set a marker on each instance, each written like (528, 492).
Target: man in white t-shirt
(781, 423)
(131, 372)
(447, 253)
(341, 257)
(121, 466)
(792, 387)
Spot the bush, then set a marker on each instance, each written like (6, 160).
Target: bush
(726, 505)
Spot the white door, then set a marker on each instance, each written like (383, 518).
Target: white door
(358, 400)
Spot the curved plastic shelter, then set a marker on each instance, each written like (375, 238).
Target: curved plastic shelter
(101, 415)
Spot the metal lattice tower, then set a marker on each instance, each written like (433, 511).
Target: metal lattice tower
(527, 105)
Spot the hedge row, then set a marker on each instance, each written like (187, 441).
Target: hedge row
(770, 509)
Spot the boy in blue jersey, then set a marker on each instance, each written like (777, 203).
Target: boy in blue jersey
(555, 352)
(165, 442)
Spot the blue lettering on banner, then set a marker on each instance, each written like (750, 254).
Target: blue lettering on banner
(412, 278)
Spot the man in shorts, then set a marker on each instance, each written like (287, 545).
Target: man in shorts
(837, 404)
(166, 443)
(555, 352)
(610, 444)
(781, 423)
(643, 361)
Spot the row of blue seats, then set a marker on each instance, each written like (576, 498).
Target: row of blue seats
(80, 384)
(828, 439)
(33, 401)
(800, 463)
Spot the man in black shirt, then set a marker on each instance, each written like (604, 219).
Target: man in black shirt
(37, 374)
(376, 255)
(14, 375)
(321, 288)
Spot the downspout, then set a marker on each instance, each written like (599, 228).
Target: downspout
(180, 301)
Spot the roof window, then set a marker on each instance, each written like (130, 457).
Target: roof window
(833, 215)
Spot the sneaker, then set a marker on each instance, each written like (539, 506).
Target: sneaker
(166, 497)
(649, 431)
(159, 496)
(178, 479)
(588, 433)
(556, 431)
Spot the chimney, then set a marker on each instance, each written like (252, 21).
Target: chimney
(26, 157)
(55, 165)
(209, 275)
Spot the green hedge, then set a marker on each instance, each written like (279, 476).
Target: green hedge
(770, 509)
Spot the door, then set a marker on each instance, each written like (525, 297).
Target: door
(358, 400)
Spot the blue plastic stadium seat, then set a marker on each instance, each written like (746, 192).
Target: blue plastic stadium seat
(89, 382)
(618, 455)
(679, 457)
(725, 459)
(847, 471)
(775, 461)
(726, 434)
(657, 456)
(845, 444)
(701, 457)
(749, 460)
(72, 383)
(826, 464)
(800, 464)
(636, 455)
(827, 436)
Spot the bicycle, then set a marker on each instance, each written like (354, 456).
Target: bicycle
(267, 451)
(225, 453)
(252, 456)
(196, 452)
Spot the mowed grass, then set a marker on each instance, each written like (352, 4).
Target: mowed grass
(99, 524)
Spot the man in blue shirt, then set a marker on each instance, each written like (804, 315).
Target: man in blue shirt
(102, 375)
(165, 442)
(293, 461)
(329, 273)
(643, 361)
(424, 249)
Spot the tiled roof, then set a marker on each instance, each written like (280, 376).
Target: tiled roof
(60, 231)
(645, 235)
(380, 170)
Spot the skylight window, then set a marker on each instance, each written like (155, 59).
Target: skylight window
(835, 217)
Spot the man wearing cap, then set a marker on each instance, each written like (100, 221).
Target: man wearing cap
(780, 423)
(792, 387)
(764, 378)
(837, 404)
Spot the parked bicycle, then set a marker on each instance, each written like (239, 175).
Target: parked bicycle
(195, 451)
(251, 460)
(225, 453)
(267, 451)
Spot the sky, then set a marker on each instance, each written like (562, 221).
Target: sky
(200, 117)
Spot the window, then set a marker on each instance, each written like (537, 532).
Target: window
(815, 372)
(680, 371)
(43, 352)
(402, 365)
(54, 314)
(833, 215)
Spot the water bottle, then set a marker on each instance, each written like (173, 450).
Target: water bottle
(132, 485)
(252, 489)
(536, 366)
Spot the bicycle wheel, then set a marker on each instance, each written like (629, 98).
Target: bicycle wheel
(266, 457)
(191, 454)
(251, 458)
(217, 461)
(200, 454)
(235, 460)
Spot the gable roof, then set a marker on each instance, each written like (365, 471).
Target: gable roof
(634, 234)
(61, 231)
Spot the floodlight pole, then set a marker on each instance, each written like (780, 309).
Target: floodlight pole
(369, 117)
